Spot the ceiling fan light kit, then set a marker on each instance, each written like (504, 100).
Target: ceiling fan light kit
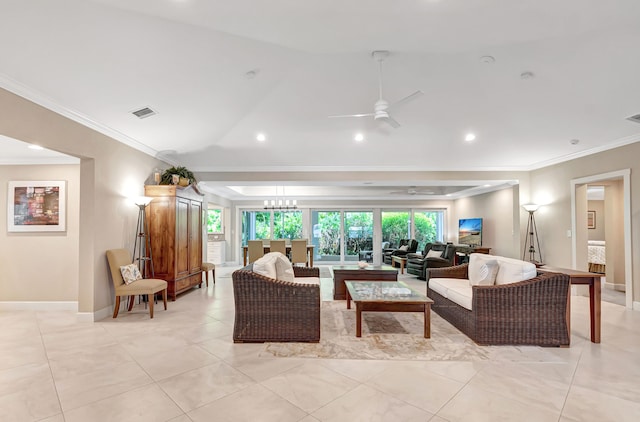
(382, 106)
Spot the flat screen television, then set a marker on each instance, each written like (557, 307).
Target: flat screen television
(470, 231)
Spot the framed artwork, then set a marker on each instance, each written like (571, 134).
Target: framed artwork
(591, 219)
(36, 206)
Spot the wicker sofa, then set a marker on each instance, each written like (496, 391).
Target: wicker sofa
(533, 311)
(273, 310)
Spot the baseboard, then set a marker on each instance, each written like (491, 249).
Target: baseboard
(636, 306)
(97, 315)
(38, 306)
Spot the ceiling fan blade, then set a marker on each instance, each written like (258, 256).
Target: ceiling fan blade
(392, 122)
(408, 98)
(352, 115)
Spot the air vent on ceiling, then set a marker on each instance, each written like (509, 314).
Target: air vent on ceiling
(635, 118)
(144, 112)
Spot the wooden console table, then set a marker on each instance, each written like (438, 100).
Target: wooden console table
(593, 281)
(353, 272)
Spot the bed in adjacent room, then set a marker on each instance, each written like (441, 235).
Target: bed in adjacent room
(596, 257)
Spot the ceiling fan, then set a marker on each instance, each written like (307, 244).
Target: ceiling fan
(382, 106)
(413, 190)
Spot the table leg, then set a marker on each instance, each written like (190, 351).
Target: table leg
(427, 320)
(401, 266)
(595, 309)
(348, 299)
(358, 320)
(244, 257)
(311, 258)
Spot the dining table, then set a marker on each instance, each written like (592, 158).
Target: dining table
(267, 249)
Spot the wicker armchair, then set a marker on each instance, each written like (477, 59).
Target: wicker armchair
(270, 310)
(530, 312)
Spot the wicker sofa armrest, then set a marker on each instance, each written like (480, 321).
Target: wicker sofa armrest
(306, 271)
(267, 309)
(456, 271)
(533, 311)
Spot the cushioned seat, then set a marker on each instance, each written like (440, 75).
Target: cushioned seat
(206, 267)
(406, 246)
(150, 286)
(438, 255)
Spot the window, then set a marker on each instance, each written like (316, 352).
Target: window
(287, 225)
(358, 232)
(326, 235)
(214, 220)
(255, 225)
(396, 226)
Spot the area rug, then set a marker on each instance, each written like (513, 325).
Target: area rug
(385, 336)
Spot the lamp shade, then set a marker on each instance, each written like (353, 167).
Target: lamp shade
(142, 200)
(531, 207)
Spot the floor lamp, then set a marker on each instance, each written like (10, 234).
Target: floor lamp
(529, 239)
(142, 245)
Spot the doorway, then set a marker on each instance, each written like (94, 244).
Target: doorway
(616, 224)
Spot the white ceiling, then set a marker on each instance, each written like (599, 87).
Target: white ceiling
(96, 61)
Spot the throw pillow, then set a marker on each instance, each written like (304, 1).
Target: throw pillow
(130, 273)
(284, 269)
(434, 254)
(485, 274)
(403, 248)
(266, 265)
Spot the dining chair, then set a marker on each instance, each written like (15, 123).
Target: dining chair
(147, 286)
(299, 253)
(278, 246)
(255, 249)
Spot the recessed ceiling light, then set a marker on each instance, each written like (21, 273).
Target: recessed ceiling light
(36, 147)
(261, 137)
(574, 141)
(527, 75)
(252, 73)
(448, 194)
(359, 137)
(487, 186)
(470, 137)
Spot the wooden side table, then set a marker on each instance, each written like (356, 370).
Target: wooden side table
(400, 260)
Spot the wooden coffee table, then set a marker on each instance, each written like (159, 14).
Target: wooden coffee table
(387, 296)
(353, 272)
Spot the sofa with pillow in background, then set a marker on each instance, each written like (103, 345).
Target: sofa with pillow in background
(499, 300)
(276, 302)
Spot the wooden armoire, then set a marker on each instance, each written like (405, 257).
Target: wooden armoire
(175, 222)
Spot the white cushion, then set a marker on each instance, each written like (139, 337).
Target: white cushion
(514, 270)
(130, 273)
(483, 272)
(307, 280)
(461, 295)
(434, 254)
(266, 265)
(442, 285)
(403, 248)
(284, 269)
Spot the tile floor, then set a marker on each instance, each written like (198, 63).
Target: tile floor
(183, 366)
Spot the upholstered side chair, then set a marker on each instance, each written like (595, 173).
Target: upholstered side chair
(299, 253)
(278, 246)
(255, 249)
(146, 286)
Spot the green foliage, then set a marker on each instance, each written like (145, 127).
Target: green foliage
(180, 171)
(395, 226)
(287, 224)
(214, 221)
(425, 228)
(329, 225)
(358, 229)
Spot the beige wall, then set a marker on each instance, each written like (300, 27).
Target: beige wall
(40, 266)
(110, 173)
(500, 230)
(553, 183)
(598, 232)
